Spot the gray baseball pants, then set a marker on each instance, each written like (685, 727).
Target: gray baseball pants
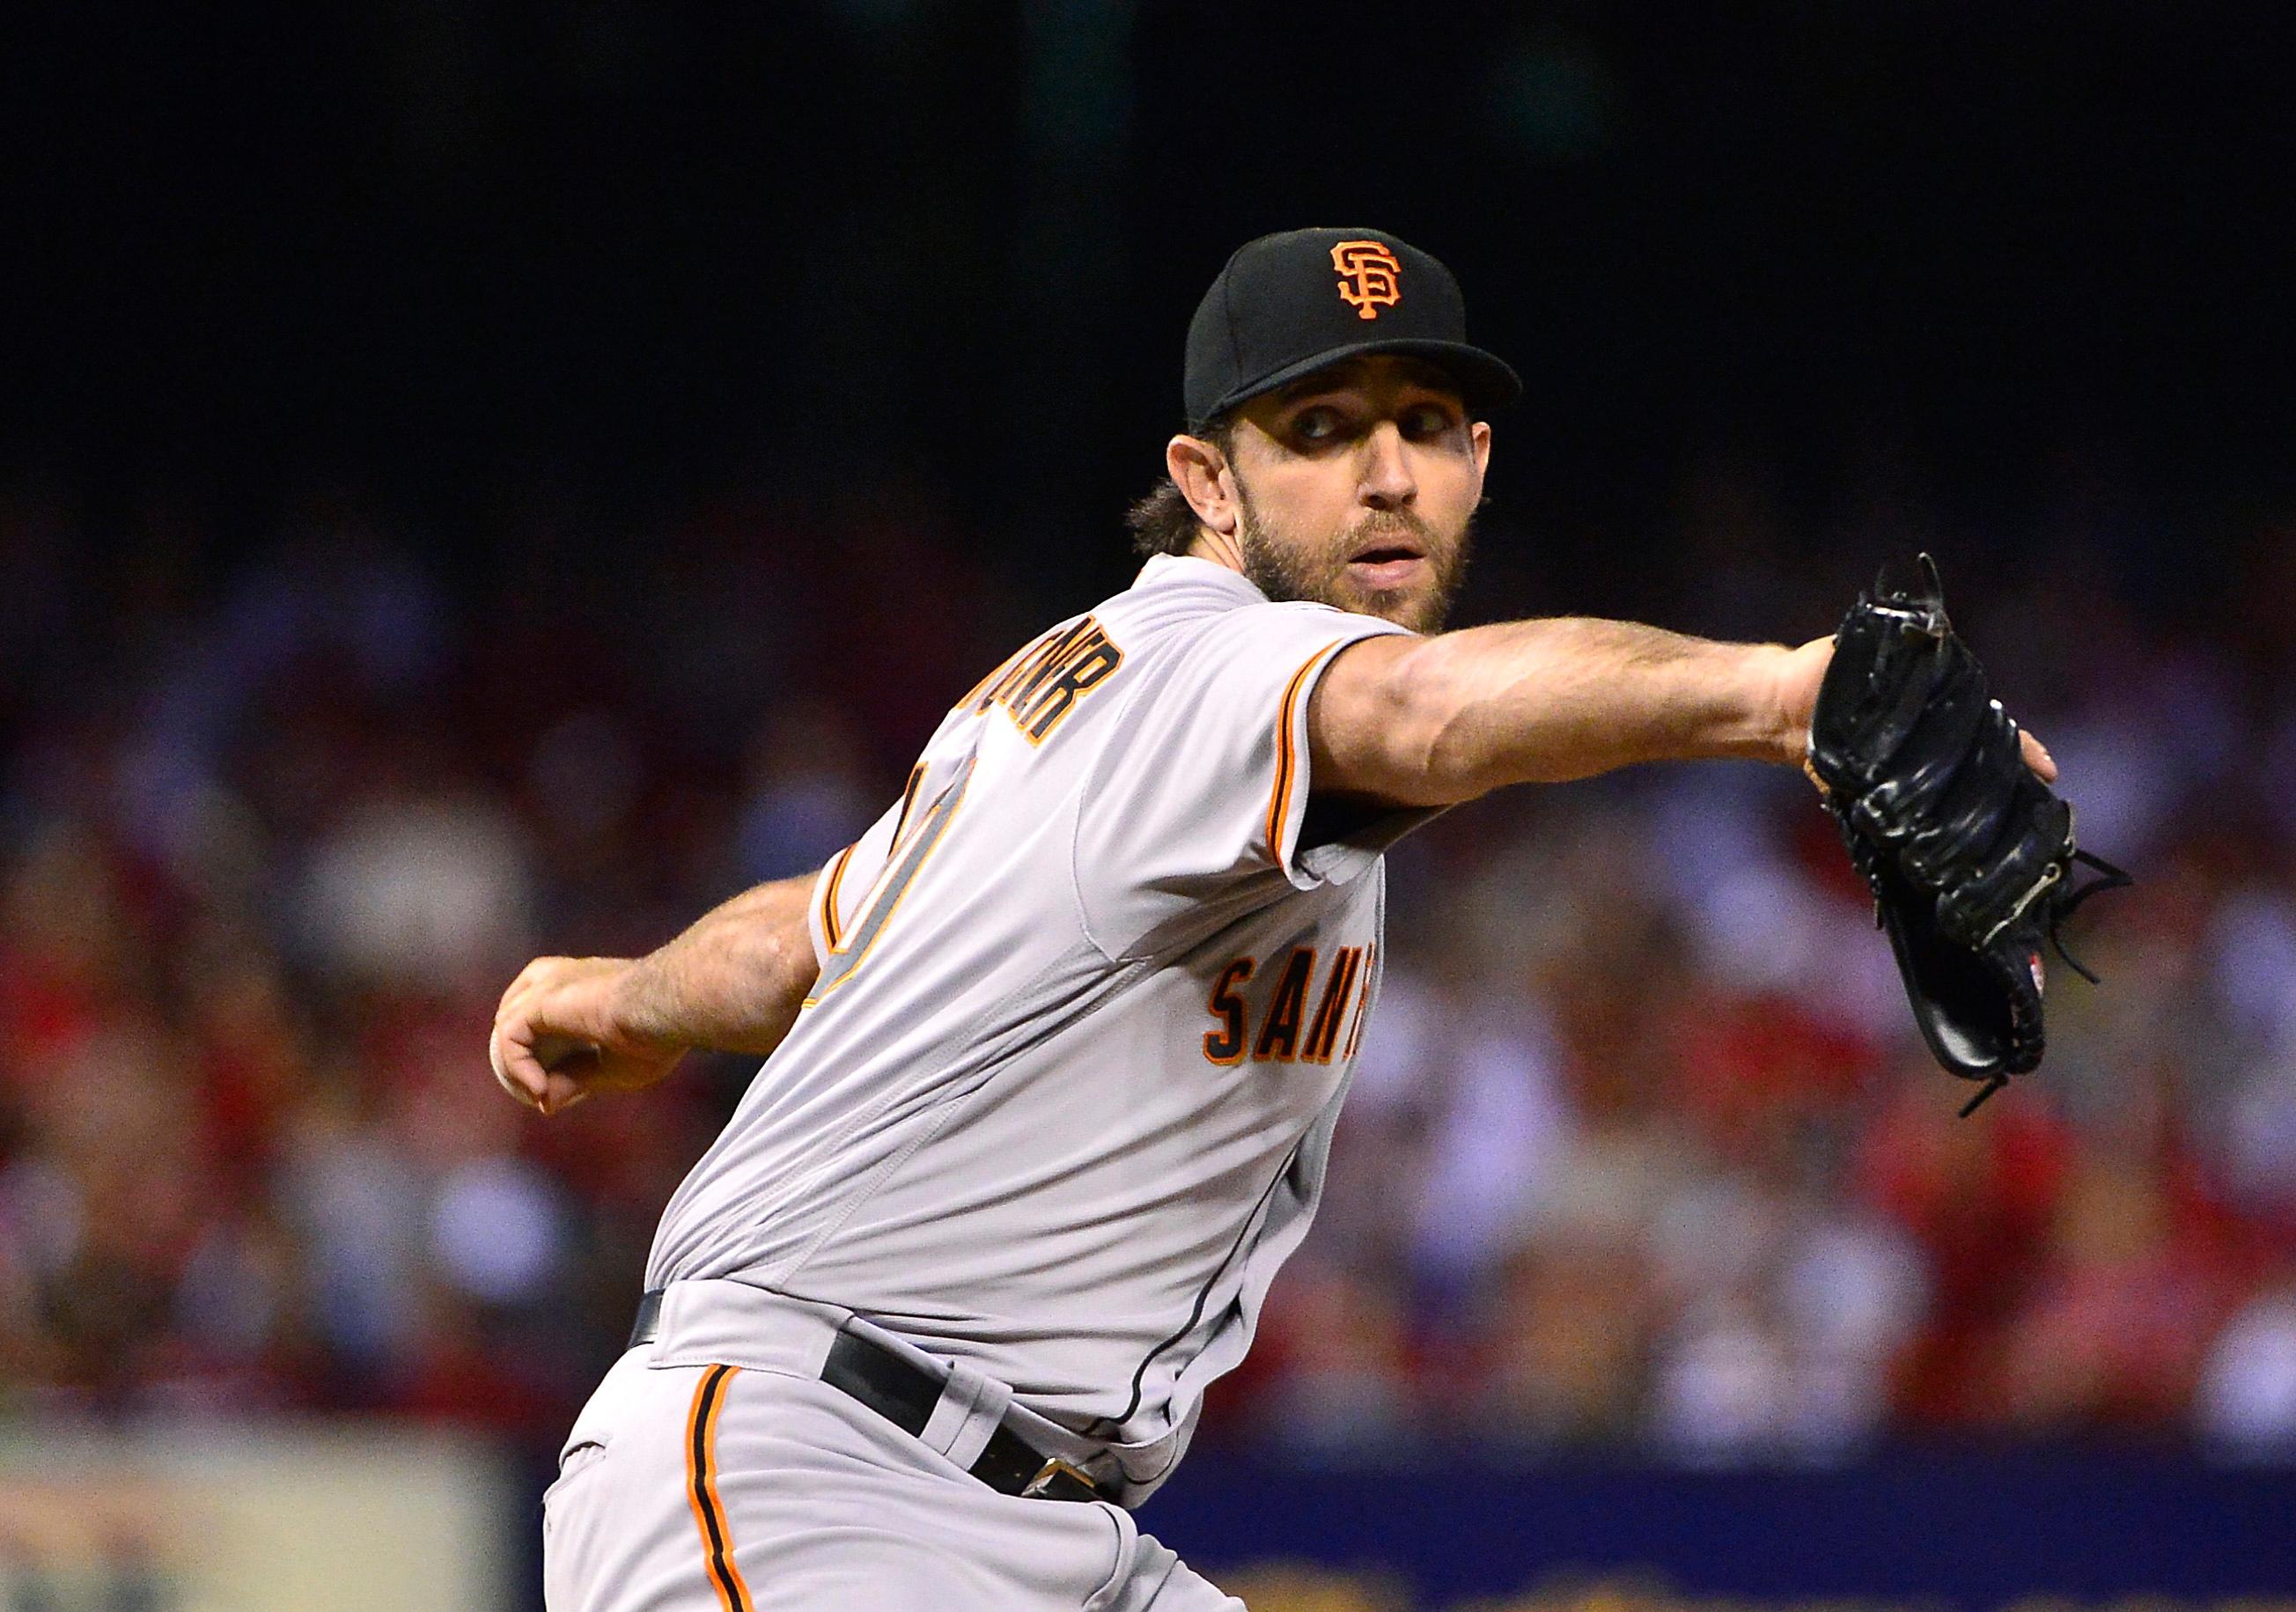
(709, 1487)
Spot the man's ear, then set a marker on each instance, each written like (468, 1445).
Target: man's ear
(1202, 473)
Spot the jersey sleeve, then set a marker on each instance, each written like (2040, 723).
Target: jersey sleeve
(843, 884)
(1200, 791)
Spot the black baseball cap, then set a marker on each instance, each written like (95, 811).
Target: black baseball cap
(1287, 305)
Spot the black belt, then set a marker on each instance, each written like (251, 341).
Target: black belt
(904, 1395)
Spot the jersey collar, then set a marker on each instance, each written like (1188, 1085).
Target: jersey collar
(1173, 567)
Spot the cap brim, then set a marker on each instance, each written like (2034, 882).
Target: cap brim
(1486, 382)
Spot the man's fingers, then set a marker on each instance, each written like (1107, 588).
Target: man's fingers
(539, 975)
(566, 1065)
(517, 1083)
(545, 1071)
(562, 1091)
(515, 1066)
(554, 1051)
(2037, 757)
(537, 1057)
(526, 979)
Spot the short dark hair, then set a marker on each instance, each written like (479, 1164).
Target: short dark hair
(1164, 522)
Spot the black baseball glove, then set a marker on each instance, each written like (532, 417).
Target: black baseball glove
(1970, 854)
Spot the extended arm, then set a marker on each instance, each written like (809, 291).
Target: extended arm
(1419, 722)
(732, 983)
(1434, 721)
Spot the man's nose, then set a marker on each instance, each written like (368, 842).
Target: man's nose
(1386, 482)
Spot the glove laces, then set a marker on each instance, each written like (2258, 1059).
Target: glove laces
(2055, 910)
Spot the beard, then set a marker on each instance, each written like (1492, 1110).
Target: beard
(1286, 566)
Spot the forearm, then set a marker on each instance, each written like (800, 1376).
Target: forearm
(733, 982)
(1437, 720)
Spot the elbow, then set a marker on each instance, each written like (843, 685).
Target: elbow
(1440, 752)
(1460, 762)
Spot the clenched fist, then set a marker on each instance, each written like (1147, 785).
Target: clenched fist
(558, 1036)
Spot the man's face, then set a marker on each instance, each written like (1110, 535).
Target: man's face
(1357, 487)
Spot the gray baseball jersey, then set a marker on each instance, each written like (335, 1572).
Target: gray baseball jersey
(1060, 1102)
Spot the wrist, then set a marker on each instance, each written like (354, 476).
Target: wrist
(628, 1009)
(1791, 684)
(1773, 724)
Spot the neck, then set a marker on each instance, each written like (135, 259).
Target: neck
(1218, 547)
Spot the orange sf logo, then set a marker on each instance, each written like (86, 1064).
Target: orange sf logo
(1369, 276)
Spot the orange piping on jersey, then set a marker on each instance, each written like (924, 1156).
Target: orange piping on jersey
(931, 831)
(701, 1490)
(831, 931)
(1280, 800)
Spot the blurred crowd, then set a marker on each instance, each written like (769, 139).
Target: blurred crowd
(1643, 1156)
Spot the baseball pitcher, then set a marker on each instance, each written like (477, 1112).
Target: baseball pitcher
(1053, 1051)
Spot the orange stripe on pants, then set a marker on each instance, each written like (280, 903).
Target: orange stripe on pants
(701, 1489)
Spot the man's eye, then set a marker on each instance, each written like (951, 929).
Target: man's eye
(1316, 425)
(1426, 420)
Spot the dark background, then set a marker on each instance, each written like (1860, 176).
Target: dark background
(442, 254)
